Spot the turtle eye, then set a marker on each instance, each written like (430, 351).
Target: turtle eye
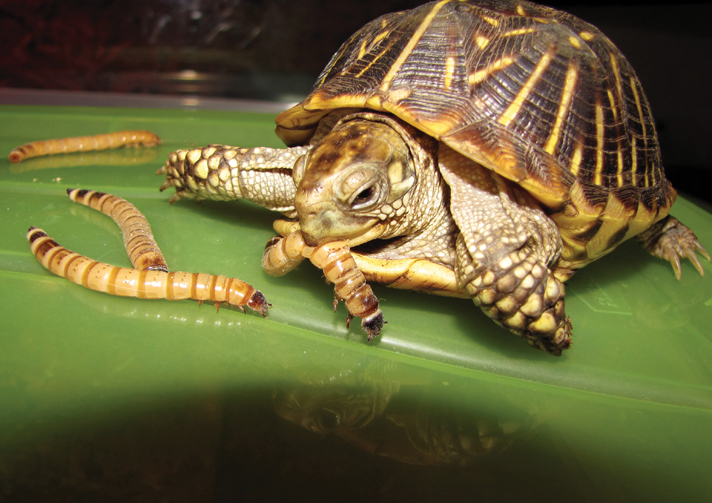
(360, 188)
(327, 420)
(366, 197)
(363, 197)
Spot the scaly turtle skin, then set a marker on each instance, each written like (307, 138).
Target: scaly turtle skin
(485, 149)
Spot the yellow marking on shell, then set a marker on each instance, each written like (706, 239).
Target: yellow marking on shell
(384, 23)
(491, 20)
(639, 104)
(449, 71)
(616, 72)
(644, 217)
(579, 218)
(520, 31)
(367, 45)
(575, 42)
(381, 36)
(347, 101)
(513, 109)
(362, 50)
(615, 217)
(327, 71)
(576, 159)
(411, 44)
(599, 143)
(481, 41)
(614, 108)
(480, 75)
(633, 156)
(376, 58)
(435, 128)
(521, 11)
(587, 36)
(564, 106)
(619, 173)
(398, 95)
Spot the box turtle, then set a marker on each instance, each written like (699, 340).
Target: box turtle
(484, 149)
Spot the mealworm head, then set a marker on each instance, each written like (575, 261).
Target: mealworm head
(258, 303)
(373, 324)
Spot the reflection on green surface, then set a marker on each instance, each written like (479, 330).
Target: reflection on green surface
(187, 421)
(103, 159)
(116, 399)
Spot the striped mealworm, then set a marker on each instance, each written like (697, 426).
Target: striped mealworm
(334, 258)
(143, 284)
(150, 277)
(138, 239)
(84, 143)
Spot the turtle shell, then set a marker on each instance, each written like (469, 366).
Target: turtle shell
(537, 95)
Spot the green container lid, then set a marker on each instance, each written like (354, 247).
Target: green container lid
(105, 397)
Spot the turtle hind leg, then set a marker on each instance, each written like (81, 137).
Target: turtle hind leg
(520, 293)
(672, 240)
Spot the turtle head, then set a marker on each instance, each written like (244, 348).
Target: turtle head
(353, 182)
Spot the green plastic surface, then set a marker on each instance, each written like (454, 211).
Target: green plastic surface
(625, 415)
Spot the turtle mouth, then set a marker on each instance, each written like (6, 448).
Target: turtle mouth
(353, 239)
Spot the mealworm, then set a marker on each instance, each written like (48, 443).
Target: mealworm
(284, 254)
(138, 239)
(143, 284)
(84, 143)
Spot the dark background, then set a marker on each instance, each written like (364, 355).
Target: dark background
(274, 49)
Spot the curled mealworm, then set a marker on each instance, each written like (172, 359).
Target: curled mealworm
(144, 284)
(138, 239)
(284, 254)
(84, 143)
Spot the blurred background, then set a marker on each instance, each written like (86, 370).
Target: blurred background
(272, 50)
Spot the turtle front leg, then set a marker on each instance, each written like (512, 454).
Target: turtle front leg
(224, 173)
(520, 293)
(507, 252)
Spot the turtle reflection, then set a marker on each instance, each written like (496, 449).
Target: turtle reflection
(414, 423)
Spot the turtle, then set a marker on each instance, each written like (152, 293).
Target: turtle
(485, 149)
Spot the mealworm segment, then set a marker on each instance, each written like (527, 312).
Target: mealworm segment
(335, 259)
(149, 279)
(84, 144)
(282, 255)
